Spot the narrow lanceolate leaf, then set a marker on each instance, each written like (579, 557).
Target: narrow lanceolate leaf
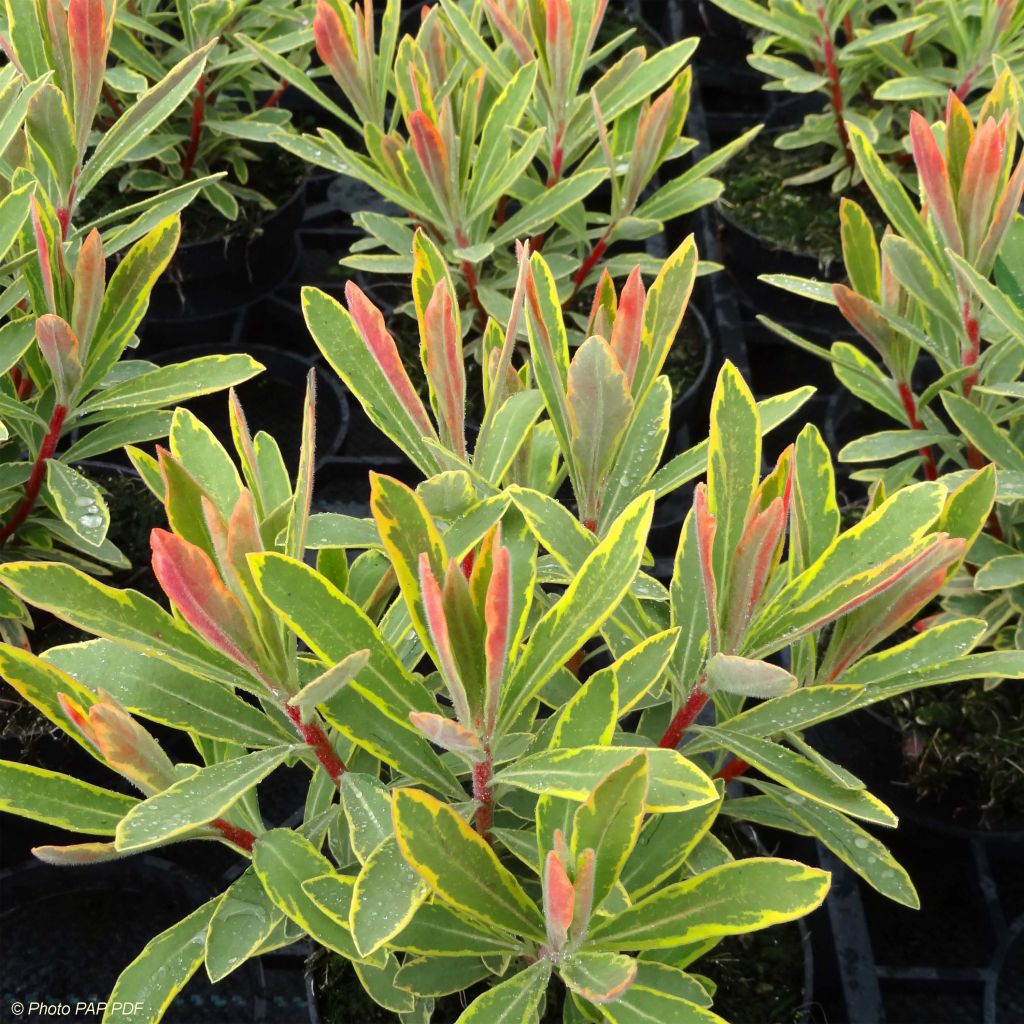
(127, 296)
(387, 893)
(364, 355)
(850, 843)
(190, 579)
(148, 985)
(326, 685)
(599, 406)
(802, 776)
(437, 930)
(589, 716)
(591, 598)
(515, 1001)
(87, 35)
(148, 111)
(663, 313)
(61, 800)
(738, 897)
(675, 784)
(608, 822)
(460, 867)
(367, 807)
(205, 795)
(162, 692)
(734, 463)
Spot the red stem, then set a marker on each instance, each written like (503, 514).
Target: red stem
(198, 113)
(112, 101)
(275, 97)
(835, 87)
(931, 471)
(233, 834)
(973, 350)
(589, 263)
(733, 769)
(35, 480)
(483, 796)
(469, 273)
(684, 718)
(557, 159)
(965, 86)
(319, 742)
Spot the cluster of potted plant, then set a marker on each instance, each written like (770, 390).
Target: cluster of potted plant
(543, 775)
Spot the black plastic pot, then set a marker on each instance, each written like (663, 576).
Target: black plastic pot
(869, 744)
(273, 400)
(71, 932)
(747, 256)
(208, 281)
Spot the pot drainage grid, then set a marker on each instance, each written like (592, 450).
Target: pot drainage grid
(965, 958)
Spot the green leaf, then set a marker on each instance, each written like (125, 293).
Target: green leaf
(460, 867)
(591, 598)
(127, 297)
(994, 443)
(539, 212)
(79, 502)
(165, 693)
(285, 862)
(204, 795)
(675, 784)
(655, 995)
(734, 463)
(888, 444)
(515, 1001)
(148, 985)
(386, 895)
(61, 800)
(1001, 573)
(599, 406)
(437, 930)
(367, 807)
(589, 716)
(739, 897)
(598, 977)
(802, 776)
(243, 921)
(608, 822)
(138, 121)
(850, 843)
(124, 615)
(169, 385)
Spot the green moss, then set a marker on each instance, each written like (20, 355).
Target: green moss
(964, 747)
(801, 219)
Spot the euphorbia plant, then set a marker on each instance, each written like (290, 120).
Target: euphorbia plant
(419, 901)
(609, 405)
(51, 95)
(872, 59)
(235, 101)
(499, 124)
(775, 603)
(67, 393)
(943, 288)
